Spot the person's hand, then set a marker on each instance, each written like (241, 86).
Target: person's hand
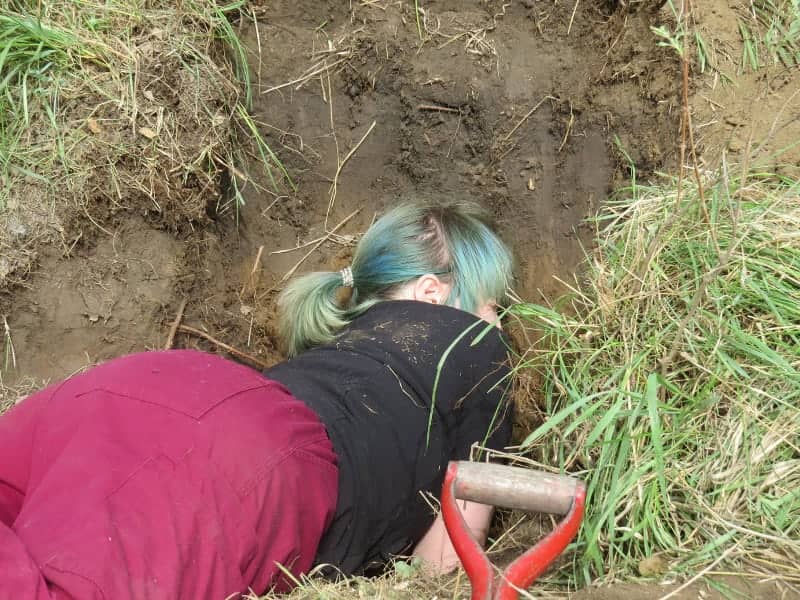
(435, 548)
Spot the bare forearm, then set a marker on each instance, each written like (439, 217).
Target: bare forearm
(435, 548)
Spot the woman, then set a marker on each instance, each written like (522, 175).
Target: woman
(182, 475)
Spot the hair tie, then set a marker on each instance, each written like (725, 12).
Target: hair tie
(347, 277)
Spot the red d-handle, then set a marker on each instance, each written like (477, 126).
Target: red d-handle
(509, 487)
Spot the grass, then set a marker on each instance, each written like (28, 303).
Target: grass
(417, 17)
(769, 31)
(9, 355)
(7, 398)
(32, 55)
(120, 105)
(674, 390)
(679, 38)
(771, 34)
(25, 386)
(393, 586)
(10, 395)
(405, 581)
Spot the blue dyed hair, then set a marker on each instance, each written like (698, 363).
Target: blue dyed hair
(453, 241)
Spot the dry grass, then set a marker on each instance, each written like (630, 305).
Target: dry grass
(11, 395)
(674, 390)
(393, 587)
(389, 587)
(112, 107)
(403, 582)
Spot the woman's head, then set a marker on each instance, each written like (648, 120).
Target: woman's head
(447, 251)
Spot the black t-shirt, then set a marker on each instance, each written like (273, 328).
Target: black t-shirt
(372, 387)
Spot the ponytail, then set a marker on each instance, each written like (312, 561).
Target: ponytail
(454, 241)
(309, 313)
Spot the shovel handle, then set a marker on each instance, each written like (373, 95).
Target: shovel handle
(515, 487)
(511, 487)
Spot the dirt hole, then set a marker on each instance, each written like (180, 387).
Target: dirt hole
(524, 108)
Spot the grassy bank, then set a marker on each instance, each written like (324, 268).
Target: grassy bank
(674, 391)
(119, 106)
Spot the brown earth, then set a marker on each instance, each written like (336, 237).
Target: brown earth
(454, 117)
(741, 114)
(714, 588)
(513, 105)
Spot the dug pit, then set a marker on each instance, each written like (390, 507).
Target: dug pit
(526, 108)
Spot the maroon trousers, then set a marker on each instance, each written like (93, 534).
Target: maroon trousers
(163, 475)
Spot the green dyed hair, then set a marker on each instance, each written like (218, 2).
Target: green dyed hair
(453, 241)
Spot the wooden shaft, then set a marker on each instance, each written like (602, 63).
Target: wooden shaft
(515, 487)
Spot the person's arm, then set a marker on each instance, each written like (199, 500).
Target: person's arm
(435, 548)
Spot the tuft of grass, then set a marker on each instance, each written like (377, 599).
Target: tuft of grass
(702, 51)
(678, 38)
(771, 34)
(224, 32)
(672, 378)
(396, 585)
(118, 105)
(750, 48)
(9, 354)
(24, 386)
(267, 156)
(10, 395)
(33, 55)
